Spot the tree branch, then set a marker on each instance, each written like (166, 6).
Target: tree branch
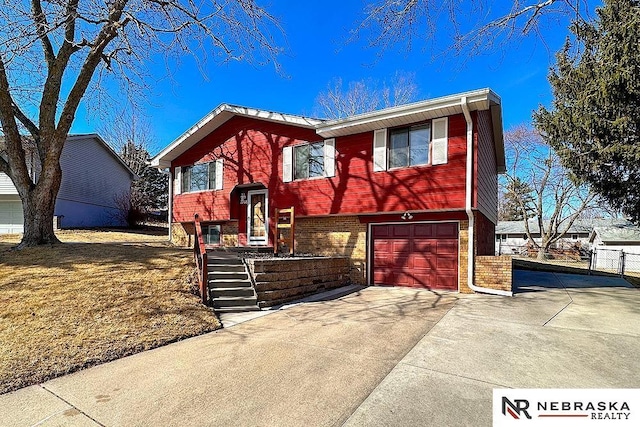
(42, 28)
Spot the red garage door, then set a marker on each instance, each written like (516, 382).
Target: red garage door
(416, 255)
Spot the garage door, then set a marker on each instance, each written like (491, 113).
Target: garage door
(11, 220)
(416, 255)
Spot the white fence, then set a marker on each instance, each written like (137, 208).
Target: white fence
(615, 261)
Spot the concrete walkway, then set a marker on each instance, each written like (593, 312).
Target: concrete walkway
(377, 357)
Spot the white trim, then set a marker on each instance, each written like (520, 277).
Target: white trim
(439, 146)
(287, 164)
(329, 157)
(219, 174)
(380, 150)
(369, 260)
(177, 180)
(261, 241)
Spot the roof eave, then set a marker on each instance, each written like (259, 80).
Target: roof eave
(217, 118)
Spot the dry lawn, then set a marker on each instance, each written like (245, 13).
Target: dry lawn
(72, 306)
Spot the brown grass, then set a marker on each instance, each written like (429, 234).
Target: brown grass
(72, 306)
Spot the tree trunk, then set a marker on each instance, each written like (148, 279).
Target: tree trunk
(38, 204)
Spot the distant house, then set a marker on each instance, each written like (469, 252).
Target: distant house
(621, 237)
(94, 177)
(408, 193)
(512, 238)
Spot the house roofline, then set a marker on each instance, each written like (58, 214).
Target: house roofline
(216, 118)
(97, 137)
(477, 100)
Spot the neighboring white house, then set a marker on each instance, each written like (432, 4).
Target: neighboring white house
(94, 177)
(615, 245)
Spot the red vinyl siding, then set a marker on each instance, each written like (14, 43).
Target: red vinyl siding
(252, 152)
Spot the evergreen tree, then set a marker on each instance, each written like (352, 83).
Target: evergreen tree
(594, 124)
(517, 201)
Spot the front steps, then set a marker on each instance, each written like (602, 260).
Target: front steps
(229, 286)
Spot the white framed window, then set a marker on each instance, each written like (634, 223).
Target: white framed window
(423, 144)
(202, 176)
(309, 160)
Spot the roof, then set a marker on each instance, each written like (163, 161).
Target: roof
(578, 227)
(483, 99)
(619, 233)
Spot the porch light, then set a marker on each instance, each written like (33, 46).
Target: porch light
(406, 216)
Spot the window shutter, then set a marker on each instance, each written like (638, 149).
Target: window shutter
(177, 180)
(440, 141)
(219, 174)
(287, 164)
(329, 157)
(380, 150)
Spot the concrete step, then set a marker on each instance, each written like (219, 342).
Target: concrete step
(227, 275)
(237, 309)
(229, 283)
(226, 267)
(212, 259)
(231, 292)
(225, 302)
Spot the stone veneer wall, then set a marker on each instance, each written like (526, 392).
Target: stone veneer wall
(182, 234)
(280, 280)
(335, 236)
(494, 272)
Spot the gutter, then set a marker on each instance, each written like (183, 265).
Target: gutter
(469, 189)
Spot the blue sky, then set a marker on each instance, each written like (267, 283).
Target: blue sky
(318, 52)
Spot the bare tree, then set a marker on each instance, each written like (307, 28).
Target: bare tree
(52, 53)
(471, 26)
(365, 95)
(553, 198)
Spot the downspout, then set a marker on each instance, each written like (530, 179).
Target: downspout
(469, 191)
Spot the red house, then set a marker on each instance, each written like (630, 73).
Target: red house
(408, 193)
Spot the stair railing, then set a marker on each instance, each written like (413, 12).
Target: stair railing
(200, 255)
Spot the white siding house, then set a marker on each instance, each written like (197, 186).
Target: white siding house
(612, 244)
(93, 178)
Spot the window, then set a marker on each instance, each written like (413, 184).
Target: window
(202, 176)
(574, 237)
(424, 144)
(308, 160)
(212, 235)
(409, 146)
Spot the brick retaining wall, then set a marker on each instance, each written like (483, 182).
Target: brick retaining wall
(282, 280)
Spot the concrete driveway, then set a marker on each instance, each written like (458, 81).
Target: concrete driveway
(559, 331)
(380, 356)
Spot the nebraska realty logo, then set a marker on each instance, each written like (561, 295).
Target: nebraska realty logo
(566, 407)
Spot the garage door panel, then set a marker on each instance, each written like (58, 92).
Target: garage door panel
(423, 230)
(400, 231)
(416, 255)
(448, 230)
(447, 247)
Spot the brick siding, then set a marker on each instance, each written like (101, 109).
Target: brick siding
(494, 272)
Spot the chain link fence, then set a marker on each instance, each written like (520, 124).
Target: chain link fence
(615, 261)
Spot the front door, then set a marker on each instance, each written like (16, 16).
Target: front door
(257, 217)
